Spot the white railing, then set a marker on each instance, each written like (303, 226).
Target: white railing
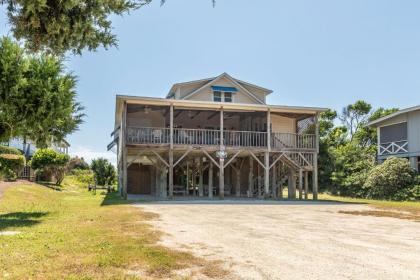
(293, 141)
(186, 136)
(245, 138)
(147, 135)
(392, 148)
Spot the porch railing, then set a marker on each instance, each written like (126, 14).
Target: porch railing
(186, 136)
(392, 148)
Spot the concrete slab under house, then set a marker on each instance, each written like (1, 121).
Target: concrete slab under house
(215, 138)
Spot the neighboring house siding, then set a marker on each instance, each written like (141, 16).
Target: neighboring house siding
(414, 132)
(397, 119)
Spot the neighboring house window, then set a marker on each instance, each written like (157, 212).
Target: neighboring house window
(393, 133)
(217, 96)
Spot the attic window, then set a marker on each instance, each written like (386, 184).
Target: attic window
(217, 96)
(223, 94)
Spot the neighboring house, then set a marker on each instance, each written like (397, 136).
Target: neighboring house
(210, 138)
(29, 148)
(399, 135)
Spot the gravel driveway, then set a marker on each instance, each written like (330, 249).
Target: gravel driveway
(257, 240)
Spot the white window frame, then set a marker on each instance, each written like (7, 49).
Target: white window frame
(222, 96)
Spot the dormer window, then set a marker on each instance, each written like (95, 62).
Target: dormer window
(223, 94)
(217, 96)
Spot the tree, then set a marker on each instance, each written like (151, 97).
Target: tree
(367, 135)
(48, 161)
(105, 173)
(57, 26)
(37, 97)
(355, 115)
(77, 163)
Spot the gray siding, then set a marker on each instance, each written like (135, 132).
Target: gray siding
(414, 132)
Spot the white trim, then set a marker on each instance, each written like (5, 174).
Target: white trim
(385, 125)
(400, 112)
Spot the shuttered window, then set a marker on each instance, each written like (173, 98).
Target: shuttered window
(393, 133)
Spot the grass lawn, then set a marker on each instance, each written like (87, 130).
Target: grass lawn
(409, 210)
(72, 234)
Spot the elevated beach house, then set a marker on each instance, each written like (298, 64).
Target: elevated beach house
(399, 135)
(215, 137)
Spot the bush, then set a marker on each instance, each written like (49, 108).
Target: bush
(48, 161)
(105, 173)
(10, 165)
(9, 150)
(85, 177)
(77, 163)
(390, 180)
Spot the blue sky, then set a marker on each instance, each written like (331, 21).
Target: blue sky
(325, 53)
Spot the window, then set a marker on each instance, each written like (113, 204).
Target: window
(393, 133)
(217, 96)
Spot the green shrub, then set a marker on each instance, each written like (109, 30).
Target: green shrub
(10, 165)
(105, 173)
(48, 161)
(9, 150)
(390, 180)
(85, 177)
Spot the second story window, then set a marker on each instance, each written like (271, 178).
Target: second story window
(228, 96)
(222, 96)
(217, 96)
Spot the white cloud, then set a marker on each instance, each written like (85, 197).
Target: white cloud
(89, 154)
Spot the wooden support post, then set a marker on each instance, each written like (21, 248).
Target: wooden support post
(171, 152)
(124, 151)
(306, 185)
(300, 183)
(210, 179)
(200, 179)
(259, 179)
(124, 169)
(221, 160)
(266, 174)
(291, 190)
(238, 178)
(269, 130)
(251, 177)
(280, 187)
(315, 178)
(193, 178)
(187, 189)
(274, 181)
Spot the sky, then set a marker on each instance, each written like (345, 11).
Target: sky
(324, 53)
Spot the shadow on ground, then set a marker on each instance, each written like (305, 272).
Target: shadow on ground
(113, 198)
(20, 219)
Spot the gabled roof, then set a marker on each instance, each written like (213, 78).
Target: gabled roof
(210, 81)
(377, 122)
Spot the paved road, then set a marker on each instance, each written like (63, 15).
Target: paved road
(292, 241)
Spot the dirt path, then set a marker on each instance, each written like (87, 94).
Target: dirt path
(287, 241)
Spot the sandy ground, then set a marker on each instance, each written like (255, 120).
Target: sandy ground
(292, 240)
